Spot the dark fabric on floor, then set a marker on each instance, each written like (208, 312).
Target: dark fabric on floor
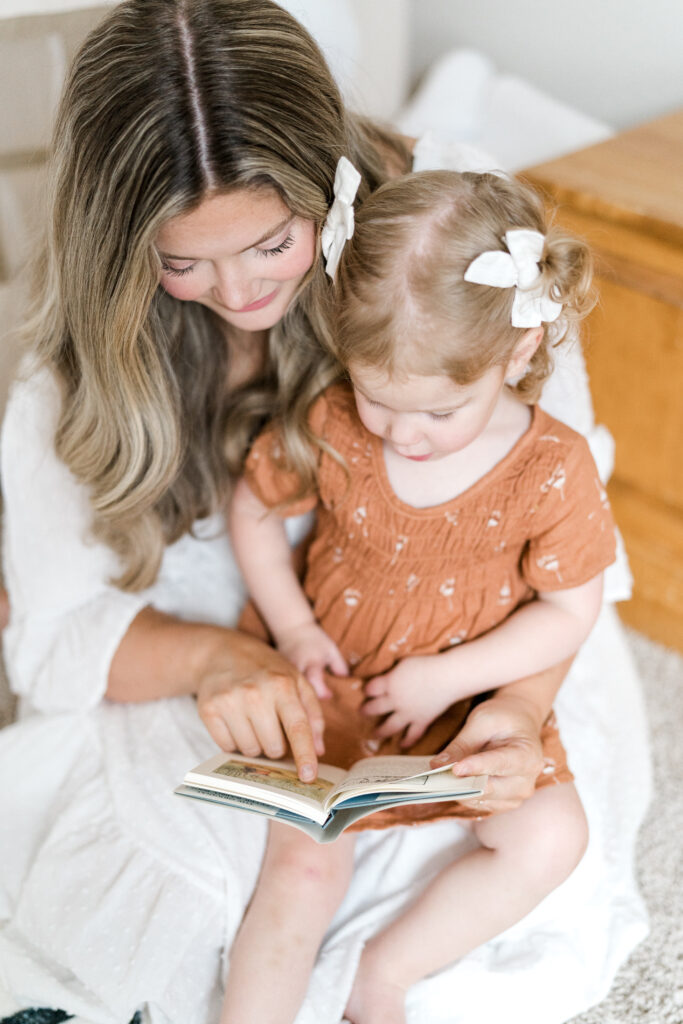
(45, 1016)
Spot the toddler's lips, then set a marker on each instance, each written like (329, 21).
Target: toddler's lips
(416, 458)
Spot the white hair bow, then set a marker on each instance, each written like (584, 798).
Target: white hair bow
(338, 226)
(532, 305)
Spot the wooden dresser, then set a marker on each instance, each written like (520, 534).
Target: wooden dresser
(625, 196)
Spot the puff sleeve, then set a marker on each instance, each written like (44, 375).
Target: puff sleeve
(269, 473)
(573, 534)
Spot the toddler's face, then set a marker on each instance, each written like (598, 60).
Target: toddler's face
(243, 254)
(425, 418)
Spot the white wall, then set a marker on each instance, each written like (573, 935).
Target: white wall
(367, 45)
(619, 60)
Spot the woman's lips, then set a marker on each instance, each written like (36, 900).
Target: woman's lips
(259, 304)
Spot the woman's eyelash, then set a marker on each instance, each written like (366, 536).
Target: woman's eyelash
(276, 250)
(287, 243)
(441, 415)
(176, 272)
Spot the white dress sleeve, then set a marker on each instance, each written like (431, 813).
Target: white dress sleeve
(66, 619)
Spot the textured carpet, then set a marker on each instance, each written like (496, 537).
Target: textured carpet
(649, 988)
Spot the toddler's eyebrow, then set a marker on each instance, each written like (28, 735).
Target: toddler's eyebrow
(270, 233)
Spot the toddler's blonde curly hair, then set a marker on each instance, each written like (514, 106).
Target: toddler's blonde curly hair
(403, 304)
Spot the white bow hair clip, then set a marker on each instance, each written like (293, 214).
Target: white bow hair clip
(339, 224)
(518, 267)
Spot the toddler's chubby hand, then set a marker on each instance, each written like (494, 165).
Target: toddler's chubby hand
(312, 651)
(410, 696)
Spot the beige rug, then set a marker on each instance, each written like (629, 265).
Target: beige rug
(649, 988)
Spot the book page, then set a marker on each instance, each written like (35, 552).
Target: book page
(381, 772)
(275, 782)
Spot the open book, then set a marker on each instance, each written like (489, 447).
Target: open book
(337, 798)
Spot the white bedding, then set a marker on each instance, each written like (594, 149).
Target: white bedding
(465, 98)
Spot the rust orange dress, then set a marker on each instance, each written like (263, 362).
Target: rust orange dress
(387, 580)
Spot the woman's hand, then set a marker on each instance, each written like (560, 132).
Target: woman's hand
(501, 739)
(251, 698)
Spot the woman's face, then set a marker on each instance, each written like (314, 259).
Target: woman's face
(243, 254)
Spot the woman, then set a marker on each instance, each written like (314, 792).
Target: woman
(194, 159)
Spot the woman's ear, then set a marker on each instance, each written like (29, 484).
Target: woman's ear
(523, 352)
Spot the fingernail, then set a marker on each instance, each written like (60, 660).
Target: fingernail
(307, 772)
(440, 759)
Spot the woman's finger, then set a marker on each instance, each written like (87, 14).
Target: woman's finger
(219, 731)
(246, 740)
(311, 705)
(268, 730)
(293, 713)
(514, 759)
(502, 794)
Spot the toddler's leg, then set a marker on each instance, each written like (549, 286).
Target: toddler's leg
(299, 889)
(524, 855)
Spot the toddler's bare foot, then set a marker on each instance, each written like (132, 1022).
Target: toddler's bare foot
(375, 999)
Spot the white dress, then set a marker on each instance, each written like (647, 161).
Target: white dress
(117, 895)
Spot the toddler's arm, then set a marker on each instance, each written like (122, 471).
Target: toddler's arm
(541, 633)
(265, 558)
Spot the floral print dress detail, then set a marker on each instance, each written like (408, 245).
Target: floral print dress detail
(387, 580)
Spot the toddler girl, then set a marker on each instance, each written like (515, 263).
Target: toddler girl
(460, 542)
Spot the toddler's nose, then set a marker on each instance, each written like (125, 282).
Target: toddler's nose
(402, 432)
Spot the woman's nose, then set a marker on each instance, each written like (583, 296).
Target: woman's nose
(234, 289)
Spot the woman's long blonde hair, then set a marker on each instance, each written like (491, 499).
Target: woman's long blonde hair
(169, 101)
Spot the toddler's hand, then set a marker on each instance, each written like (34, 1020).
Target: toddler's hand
(410, 695)
(311, 650)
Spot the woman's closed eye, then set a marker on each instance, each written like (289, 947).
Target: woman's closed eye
(287, 243)
(442, 415)
(176, 271)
